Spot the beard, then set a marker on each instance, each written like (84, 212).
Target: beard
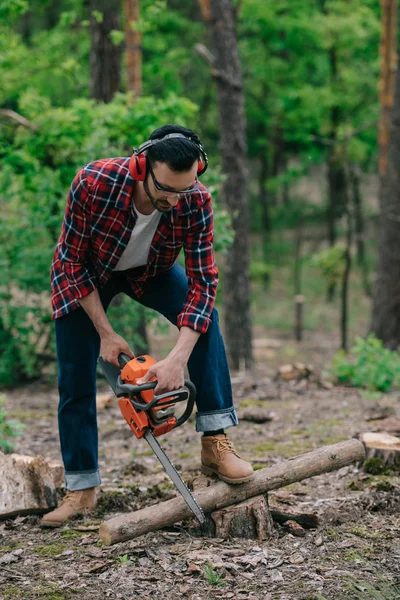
(160, 204)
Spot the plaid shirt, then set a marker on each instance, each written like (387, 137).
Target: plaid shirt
(97, 226)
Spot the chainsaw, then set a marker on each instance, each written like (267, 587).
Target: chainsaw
(150, 416)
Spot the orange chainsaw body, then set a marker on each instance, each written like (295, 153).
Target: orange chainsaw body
(140, 420)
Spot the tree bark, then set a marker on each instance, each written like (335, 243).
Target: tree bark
(386, 306)
(105, 57)
(345, 283)
(359, 229)
(316, 462)
(388, 59)
(219, 16)
(28, 484)
(133, 43)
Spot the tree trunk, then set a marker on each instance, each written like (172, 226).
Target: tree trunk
(133, 43)
(345, 283)
(219, 16)
(386, 306)
(387, 53)
(337, 183)
(316, 462)
(359, 229)
(105, 57)
(264, 196)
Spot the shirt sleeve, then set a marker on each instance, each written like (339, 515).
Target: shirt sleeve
(201, 270)
(75, 246)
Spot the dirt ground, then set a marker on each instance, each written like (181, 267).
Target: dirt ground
(353, 553)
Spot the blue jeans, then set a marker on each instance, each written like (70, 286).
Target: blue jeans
(78, 347)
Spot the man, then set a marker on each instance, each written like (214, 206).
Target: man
(125, 223)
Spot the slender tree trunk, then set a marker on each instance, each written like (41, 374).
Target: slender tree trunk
(133, 43)
(345, 283)
(386, 307)
(219, 16)
(105, 57)
(264, 195)
(359, 229)
(388, 59)
(337, 183)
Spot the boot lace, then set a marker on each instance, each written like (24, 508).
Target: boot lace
(225, 447)
(70, 498)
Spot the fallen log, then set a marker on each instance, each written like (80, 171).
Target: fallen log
(28, 484)
(315, 462)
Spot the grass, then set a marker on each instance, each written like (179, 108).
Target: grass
(363, 590)
(212, 576)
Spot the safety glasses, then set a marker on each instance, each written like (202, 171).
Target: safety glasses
(168, 190)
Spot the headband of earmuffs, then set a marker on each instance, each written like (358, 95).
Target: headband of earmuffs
(138, 161)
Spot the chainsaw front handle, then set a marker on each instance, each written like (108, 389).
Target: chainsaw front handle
(188, 393)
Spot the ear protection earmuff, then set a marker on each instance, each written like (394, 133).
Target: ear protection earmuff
(138, 161)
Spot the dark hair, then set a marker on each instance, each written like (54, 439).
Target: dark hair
(178, 153)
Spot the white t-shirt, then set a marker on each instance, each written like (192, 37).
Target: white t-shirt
(137, 250)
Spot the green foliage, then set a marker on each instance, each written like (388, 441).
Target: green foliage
(123, 559)
(9, 428)
(369, 366)
(331, 263)
(260, 271)
(212, 576)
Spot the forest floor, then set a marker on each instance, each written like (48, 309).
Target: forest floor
(354, 553)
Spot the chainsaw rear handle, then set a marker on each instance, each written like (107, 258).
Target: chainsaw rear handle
(123, 359)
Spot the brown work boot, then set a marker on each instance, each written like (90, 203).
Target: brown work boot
(72, 504)
(219, 456)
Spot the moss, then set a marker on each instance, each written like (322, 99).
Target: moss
(258, 467)
(357, 485)
(374, 466)
(331, 534)
(44, 591)
(252, 402)
(183, 455)
(12, 593)
(265, 447)
(51, 550)
(363, 532)
(11, 546)
(357, 555)
(384, 485)
(72, 534)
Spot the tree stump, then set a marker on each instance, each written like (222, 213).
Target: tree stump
(382, 451)
(28, 484)
(249, 520)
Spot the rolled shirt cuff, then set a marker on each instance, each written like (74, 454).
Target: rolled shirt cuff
(216, 419)
(82, 480)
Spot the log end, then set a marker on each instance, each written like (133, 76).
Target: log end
(105, 534)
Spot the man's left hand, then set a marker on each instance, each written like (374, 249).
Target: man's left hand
(169, 374)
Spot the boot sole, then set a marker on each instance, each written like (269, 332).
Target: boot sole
(51, 523)
(209, 471)
(84, 512)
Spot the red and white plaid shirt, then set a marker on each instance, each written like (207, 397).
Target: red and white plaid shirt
(97, 226)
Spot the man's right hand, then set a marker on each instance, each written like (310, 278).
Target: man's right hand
(111, 346)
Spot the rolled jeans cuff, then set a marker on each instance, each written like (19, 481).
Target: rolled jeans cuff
(82, 480)
(216, 419)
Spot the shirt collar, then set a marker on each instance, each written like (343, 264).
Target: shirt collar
(185, 206)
